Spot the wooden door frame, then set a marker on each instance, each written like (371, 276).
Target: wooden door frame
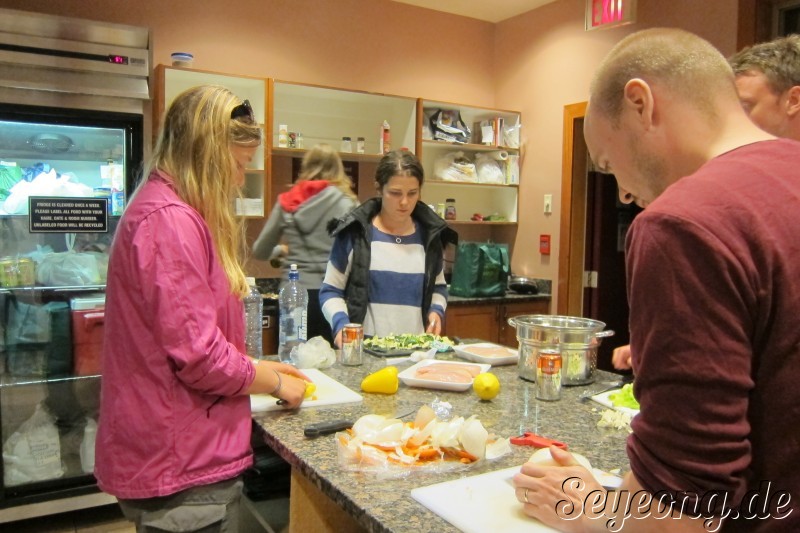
(572, 239)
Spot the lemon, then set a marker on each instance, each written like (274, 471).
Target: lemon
(383, 381)
(486, 386)
(311, 388)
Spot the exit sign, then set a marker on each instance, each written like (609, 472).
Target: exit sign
(609, 13)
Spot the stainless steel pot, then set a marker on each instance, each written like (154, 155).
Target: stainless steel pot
(522, 285)
(575, 338)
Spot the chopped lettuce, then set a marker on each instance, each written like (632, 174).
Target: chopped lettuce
(408, 341)
(624, 398)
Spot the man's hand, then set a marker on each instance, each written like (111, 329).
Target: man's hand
(621, 358)
(558, 495)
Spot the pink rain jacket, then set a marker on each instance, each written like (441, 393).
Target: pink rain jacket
(172, 413)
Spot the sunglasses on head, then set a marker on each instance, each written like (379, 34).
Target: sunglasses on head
(244, 110)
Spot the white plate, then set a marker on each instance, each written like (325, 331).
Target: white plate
(408, 376)
(467, 351)
(603, 399)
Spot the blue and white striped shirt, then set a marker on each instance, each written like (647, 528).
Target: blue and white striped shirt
(396, 284)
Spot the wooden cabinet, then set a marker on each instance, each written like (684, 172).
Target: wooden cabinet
(489, 321)
(492, 193)
(171, 81)
(508, 334)
(477, 321)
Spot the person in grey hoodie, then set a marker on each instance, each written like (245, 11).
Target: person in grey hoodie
(296, 229)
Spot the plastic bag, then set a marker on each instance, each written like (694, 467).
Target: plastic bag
(9, 176)
(315, 353)
(448, 126)
(33, 452)
(391, 448)
(480, 269)
(511, 135)
(70, 268)
(453, 166)
(489, 169)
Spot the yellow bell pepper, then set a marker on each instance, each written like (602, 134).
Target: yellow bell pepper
(384, 381)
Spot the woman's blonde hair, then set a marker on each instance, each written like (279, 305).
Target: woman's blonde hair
(322, 162)
(193, 148)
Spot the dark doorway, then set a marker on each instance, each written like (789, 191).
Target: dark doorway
(604, 293)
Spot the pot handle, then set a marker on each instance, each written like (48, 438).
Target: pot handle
(512, 322)
(606, 333)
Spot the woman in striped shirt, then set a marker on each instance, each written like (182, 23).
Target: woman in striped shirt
(386, 269)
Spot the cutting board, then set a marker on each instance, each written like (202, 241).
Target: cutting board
(603, 399)
(481, 503)
(329, 392)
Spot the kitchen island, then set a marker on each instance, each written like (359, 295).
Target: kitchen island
(325, 497)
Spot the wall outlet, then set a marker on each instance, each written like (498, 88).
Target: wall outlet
(548, 204)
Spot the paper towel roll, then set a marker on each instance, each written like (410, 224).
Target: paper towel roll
(498, 155)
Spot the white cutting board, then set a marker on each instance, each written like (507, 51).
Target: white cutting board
(329, 392)
(481, 503)
(603, 399)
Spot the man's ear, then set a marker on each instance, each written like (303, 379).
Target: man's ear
(793, 101)
(377, 188)
(638, 98)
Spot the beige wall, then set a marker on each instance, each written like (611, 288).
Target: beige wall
(543, 61)
(536, 62)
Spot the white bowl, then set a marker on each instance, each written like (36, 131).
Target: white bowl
(182, 59)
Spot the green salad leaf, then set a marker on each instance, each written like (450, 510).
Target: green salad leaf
(624, 398)
(408, 341)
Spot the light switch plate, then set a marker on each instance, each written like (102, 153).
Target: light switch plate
(548, 203)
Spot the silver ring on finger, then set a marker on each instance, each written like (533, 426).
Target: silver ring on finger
(525, 496)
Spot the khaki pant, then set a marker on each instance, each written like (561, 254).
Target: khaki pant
(206, 509)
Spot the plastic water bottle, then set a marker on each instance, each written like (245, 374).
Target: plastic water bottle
(293, 303)
(253, 312)
(87, 446)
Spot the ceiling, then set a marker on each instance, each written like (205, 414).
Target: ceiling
(491, 11)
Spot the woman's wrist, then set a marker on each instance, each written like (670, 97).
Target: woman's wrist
(279, 385)
(277, 375)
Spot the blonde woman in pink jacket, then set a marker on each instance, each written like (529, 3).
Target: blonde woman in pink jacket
(175, 421)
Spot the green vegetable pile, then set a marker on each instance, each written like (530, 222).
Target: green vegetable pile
(408, 341)
(624, 398)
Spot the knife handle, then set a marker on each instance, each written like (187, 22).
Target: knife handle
(324, 428)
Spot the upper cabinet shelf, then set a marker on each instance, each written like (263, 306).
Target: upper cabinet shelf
(326, 115)
(171, 81)
(470, 154)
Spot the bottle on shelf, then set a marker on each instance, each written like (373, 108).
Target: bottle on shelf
(386, 138)
(450, 209)
(293, 301)
(253, 313)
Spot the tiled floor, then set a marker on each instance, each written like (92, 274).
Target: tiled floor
(106, 519)
(266, 516)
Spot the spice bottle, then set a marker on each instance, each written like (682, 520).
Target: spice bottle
(386, 138)
(450, 209)
(347, 145)
(360, 145)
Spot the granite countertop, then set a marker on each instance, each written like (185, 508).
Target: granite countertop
(385, 505)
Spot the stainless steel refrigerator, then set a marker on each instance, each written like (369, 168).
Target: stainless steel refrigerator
(72, 98)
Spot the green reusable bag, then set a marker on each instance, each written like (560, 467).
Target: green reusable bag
(480, 269)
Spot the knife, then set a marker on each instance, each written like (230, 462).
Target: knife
(324, 428)
(332, 426)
